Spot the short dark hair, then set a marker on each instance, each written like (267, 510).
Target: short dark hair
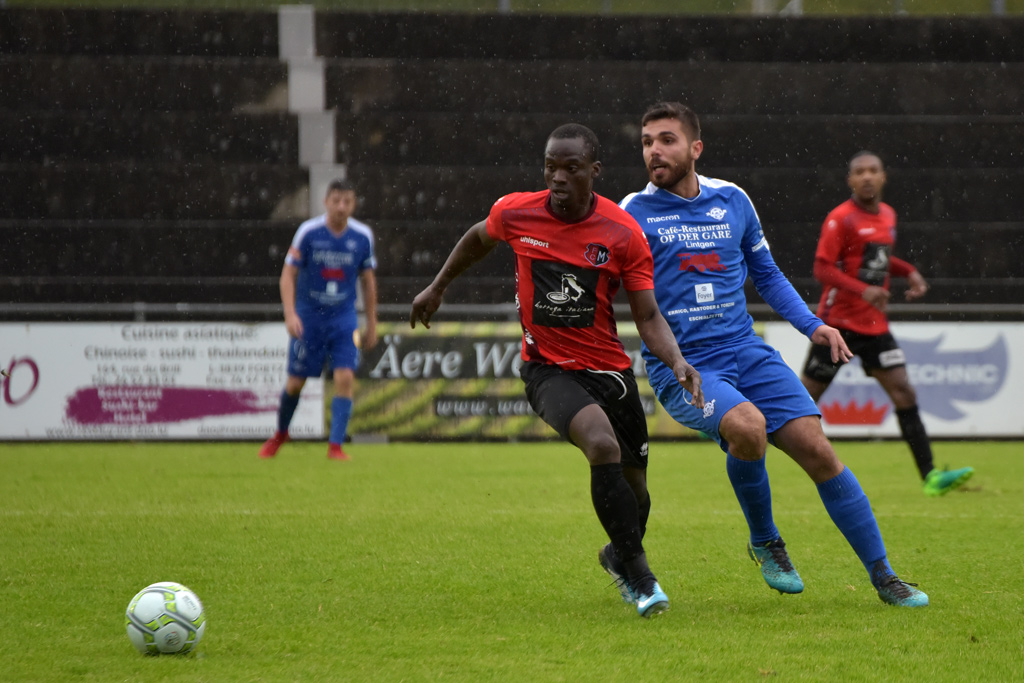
(673, 110)
(864, 153)
(340, 185)
(574, 131)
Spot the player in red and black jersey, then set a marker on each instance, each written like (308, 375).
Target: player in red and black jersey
(854, 263)
(573, 250)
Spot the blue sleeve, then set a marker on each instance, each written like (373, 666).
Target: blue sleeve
(777, 290)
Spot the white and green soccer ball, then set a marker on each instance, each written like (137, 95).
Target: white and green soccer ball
(165, 618)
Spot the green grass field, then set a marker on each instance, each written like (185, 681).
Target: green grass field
(477, 562)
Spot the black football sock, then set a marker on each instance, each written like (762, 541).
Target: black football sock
(616, 508)
(917, 438)
(644, 511)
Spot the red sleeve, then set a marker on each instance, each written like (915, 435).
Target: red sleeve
(900, 268)
(638, 270)
(828, 254)
(495, 226)
(827, 274)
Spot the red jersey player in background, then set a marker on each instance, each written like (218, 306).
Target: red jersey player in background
(854, 263)
(573, 249)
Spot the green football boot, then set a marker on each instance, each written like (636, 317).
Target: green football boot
(940, 482)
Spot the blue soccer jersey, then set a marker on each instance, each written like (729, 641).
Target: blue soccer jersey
(704, 248)
(329, 267)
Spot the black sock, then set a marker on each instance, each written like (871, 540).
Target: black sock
(644, 511)
(917, 438)
(616, 508)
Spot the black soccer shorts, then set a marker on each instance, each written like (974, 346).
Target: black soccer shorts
(876, 351)
(557, 395)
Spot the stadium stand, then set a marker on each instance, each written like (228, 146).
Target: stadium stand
(145, 158)
(150, 156)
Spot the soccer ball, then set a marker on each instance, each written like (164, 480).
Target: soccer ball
(165, 618)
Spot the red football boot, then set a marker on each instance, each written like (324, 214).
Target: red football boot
(270, 446)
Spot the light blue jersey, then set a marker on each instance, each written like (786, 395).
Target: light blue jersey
(329, 268)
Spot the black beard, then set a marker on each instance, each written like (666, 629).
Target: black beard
(673, 179)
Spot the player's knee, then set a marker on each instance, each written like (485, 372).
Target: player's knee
(744, 429)
(601, 448)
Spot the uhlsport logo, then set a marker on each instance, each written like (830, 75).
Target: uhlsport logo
(943, 380)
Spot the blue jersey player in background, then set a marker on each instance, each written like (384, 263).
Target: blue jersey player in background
(328, 257)
(706, 239)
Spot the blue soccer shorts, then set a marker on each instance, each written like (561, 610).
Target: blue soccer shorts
(749, 371)
(322, 340)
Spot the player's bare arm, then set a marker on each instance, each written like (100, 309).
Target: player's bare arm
(472, 247)
(826, 335)
(876, 296)
(917, 286)
(292, 321)
(659, 339)
(368, 280)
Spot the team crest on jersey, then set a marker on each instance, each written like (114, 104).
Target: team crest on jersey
(597, 254)
(717, 213)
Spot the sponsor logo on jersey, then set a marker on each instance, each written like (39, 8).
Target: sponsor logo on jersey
(596, 254)
(563, 295)
(534, 242)
(659, 219)
(705, 293)
(698, 262)
(570, 291)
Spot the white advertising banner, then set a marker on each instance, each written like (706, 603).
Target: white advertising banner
(148, 381)
(969, 379)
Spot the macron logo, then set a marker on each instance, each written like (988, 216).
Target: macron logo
(659, 219)
(536, 243)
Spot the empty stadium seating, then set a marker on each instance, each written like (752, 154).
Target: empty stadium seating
(150, 155)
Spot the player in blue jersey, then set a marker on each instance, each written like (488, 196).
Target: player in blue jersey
(329, 255)
(706, 239)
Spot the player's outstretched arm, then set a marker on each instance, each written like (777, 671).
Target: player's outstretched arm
(472, 247)
(826, 335)
(659, 339)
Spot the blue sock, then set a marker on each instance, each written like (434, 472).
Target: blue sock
(341, 411)
(286, 411)
(850, 509)
(749, 480)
